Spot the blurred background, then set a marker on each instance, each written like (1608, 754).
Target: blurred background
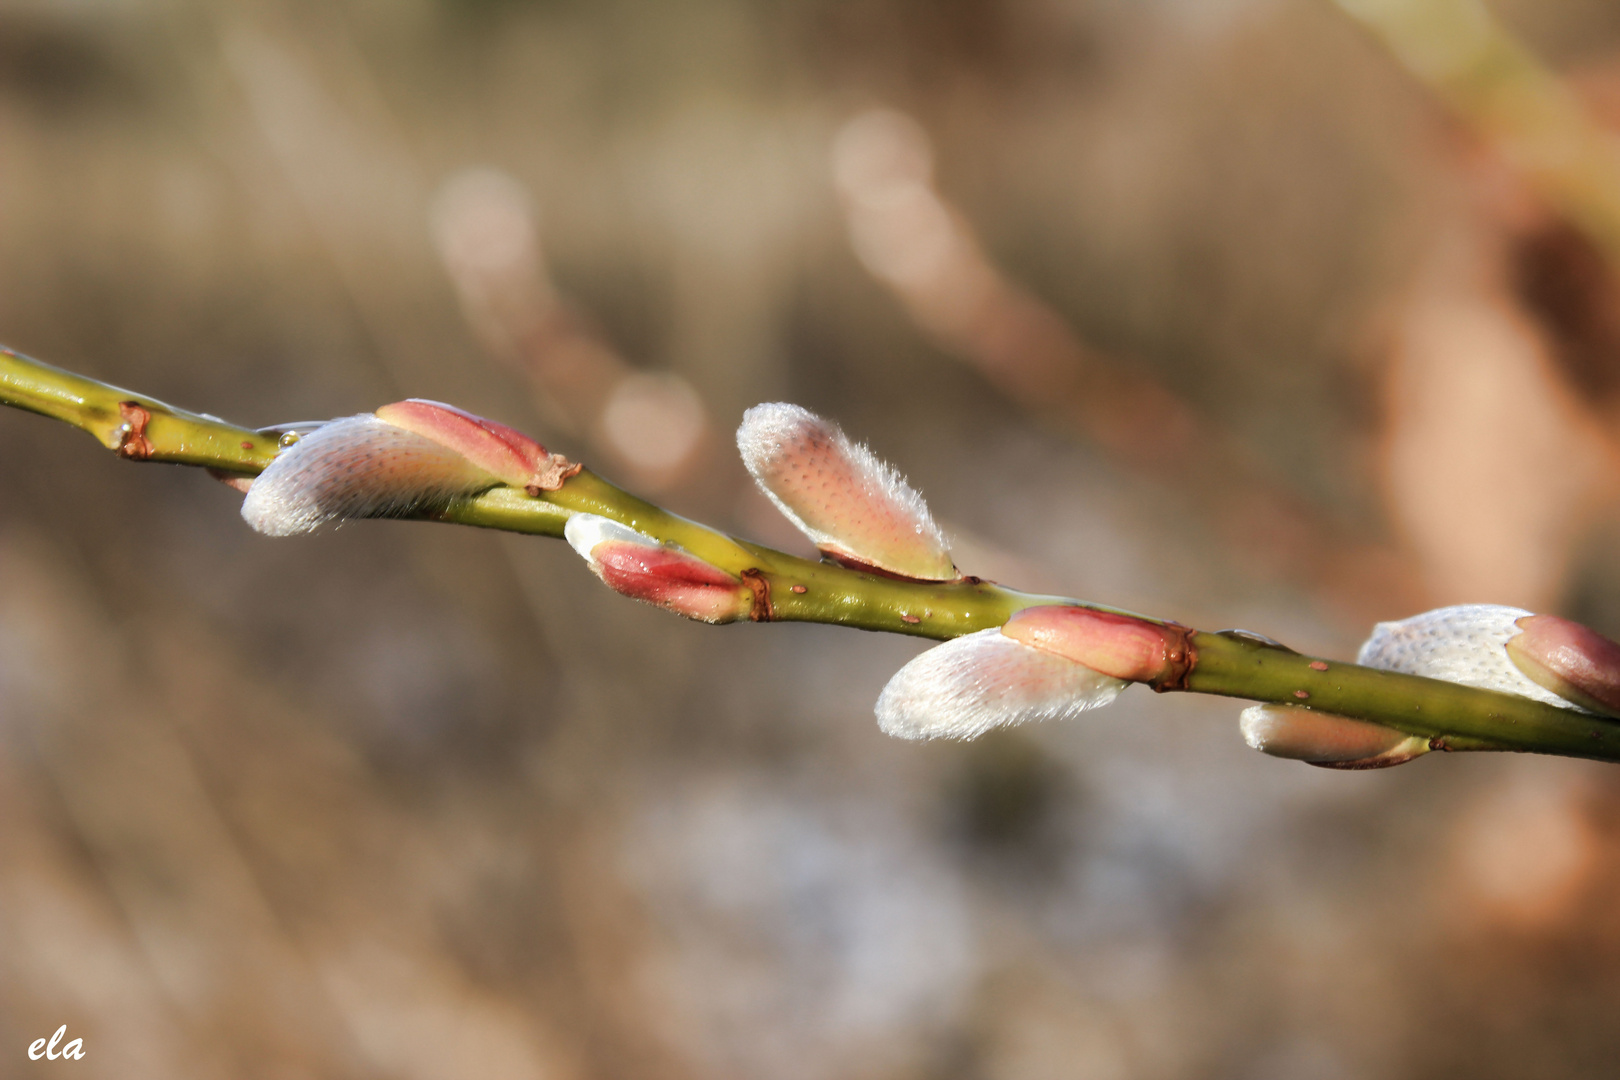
(1214, 310)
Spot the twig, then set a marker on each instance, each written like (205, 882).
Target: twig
(791, 589)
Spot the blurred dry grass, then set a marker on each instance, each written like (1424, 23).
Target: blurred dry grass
(407, 801)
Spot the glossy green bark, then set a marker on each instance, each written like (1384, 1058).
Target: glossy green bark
(175, 435)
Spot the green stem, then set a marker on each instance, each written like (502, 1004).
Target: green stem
(799, 590)
(169, 434)
(1451, 716)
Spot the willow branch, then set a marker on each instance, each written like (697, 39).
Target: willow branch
(792, 589)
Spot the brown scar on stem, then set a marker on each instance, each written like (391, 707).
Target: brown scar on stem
(1180, 657)
(760, 586)
(798, 589)
(132, 441)
(550, 476)
(910, 620)
(1302, 694)
(1317, 665)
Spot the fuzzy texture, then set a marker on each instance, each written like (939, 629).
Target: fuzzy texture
(640, 567)
(585, 531)
(1463, 644)
(358, 467)
(970, 684)
(1300, 734)
(853, 506)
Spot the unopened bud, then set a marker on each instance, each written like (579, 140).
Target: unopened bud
(970, 684)
(505, 453)
(408, 458)
(357, 467)
(1120, 646)
(1573, 661)
(640, 567)
(853, 506)
(1333, 742)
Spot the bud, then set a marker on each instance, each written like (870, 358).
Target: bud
(854, 507)
(1333, 742)
(1573, 661)
(411, 457)
(506, 454)
(970, 684)
(640, 567)
(1119, 646)
(357, 467)
(1464, 644)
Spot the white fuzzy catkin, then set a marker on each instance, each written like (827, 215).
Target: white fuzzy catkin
(970, 684)
(839, 494)
(1462, 644)
(584, 531)
(357, 467)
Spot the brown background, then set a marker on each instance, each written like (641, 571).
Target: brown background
(1268, 341)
